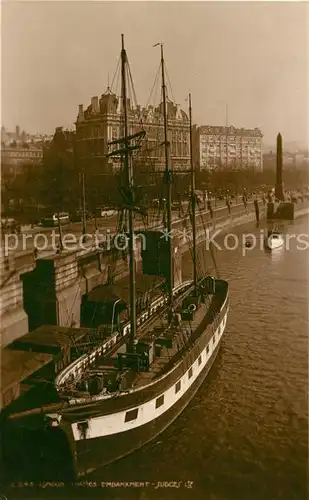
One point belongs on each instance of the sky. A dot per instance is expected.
(251, 56)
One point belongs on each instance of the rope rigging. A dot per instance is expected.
(116, 74)
(211, 248)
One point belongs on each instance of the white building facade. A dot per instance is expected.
(228, 147)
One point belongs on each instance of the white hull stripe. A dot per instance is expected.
(114, 423)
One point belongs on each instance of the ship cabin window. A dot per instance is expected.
(207, 349)
(199, 360)
(178, 386)
(190, 372)
(214, 339)
(131, 415)
(160, 401)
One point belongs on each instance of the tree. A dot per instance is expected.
(60, 187)
(20, 191)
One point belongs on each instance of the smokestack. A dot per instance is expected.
(80, 116)
(95, 104)
(279, 185)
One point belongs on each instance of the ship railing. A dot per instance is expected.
(77, 368)
(81, 364)
(220, 314)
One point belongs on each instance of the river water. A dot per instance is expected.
(245, 434)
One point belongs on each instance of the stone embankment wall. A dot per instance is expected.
(51, 290)
(13, 318)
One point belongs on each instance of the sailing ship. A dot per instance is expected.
(136, 381)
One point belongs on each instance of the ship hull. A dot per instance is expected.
(56, 456)
(99, 452)
(94, 434)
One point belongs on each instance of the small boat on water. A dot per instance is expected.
(274, 240)
(249, 243)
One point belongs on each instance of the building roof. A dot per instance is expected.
(109, 91)
(149, 113)
(21, 147)
(51, 336)
(18, 365)
(219, 130)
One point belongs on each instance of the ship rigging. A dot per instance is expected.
(143, 372)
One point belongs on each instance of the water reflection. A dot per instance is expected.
(245, 434)
(275, 254)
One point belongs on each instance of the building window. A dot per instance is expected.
(131, 415)
(214, 339)
(178, 386)
(199, 360)
(190, 372)
(207, 349)
(160, 401)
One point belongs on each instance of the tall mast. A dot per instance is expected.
(84, 201)
(226, 134)
(170, 280)
(129, 178)
(83, 188)
(193, 199)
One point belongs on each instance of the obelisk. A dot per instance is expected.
(279, 185)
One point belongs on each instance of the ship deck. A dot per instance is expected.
(181, 335)
(184, 335)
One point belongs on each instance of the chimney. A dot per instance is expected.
(95, 104)
(80, 112)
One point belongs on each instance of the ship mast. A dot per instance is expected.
(84, 202)
(193, 200)
(170, 279)
(129, 179)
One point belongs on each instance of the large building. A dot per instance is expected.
(13, 159)
(21, 138)
(102, 122)
(19, 149)
(227, 147)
